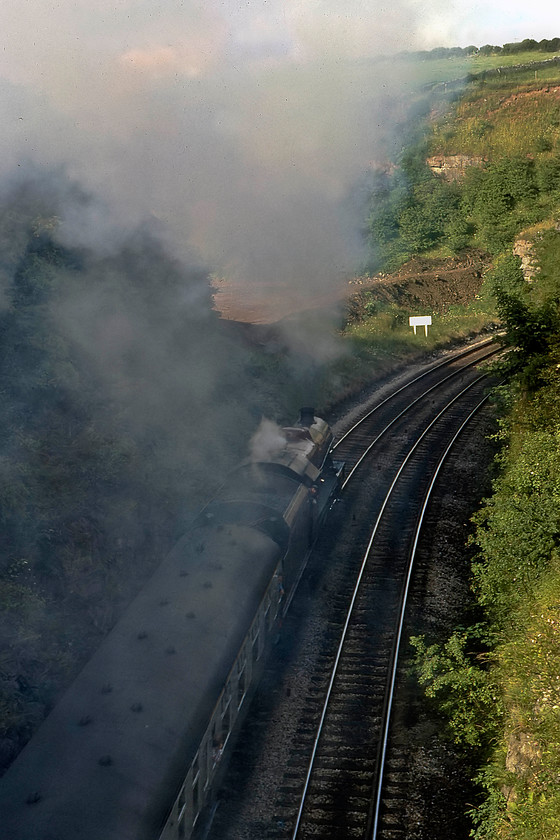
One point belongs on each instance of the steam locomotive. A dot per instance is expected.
(136, 746)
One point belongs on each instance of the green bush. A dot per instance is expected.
(547, 174)
(518, 528)
(466, 693)
(499, 200)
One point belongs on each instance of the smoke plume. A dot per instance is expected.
(267, 442)
(242, 130)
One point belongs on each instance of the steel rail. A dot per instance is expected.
(433, 387)
(398, 639)
(355, 595)
(416, 379)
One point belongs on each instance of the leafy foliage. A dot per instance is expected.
(465, 692)
(506, 702)
(413, 211)
(531, 321)
(519, 528)
(498, 200)
(516, 574)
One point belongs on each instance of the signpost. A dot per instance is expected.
(420, 321)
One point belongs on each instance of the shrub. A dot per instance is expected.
(465, 691)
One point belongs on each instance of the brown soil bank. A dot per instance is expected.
(433, 285)
(422, 285)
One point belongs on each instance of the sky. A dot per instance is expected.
(241, 128)
(497, 22)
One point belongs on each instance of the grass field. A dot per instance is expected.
(432, 71)
(498, 120)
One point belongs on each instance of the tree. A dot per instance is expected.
(499, 199)
(552, 45)
(490, 49)
(532, 325)
(547, 174)
(527, 45)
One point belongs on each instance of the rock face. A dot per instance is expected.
(453, 167)
(524, 249)
(522, 759)
(523, 754)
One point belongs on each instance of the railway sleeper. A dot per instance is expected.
(397, 769)
(359, 693)
(357, 718)
(361, 676)
(327, 776)
(373, 658)
(347, 766)
(307, 726)
(337, 819)
(346, 740)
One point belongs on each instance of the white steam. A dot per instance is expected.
(267, 442)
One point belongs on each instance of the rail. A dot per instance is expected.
(398, 634)
(371, 832)
(405, 410)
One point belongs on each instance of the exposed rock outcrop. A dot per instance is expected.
(453, 167)
(523, 754)
(524, 249)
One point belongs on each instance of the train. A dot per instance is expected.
(137, 745)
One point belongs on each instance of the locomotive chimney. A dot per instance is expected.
(306, 416)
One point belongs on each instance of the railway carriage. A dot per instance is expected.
(135, 747)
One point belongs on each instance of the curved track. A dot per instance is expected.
(339, 739)
(342, 790)
(357, 442)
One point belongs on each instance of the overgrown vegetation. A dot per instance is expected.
(107, 445)
(497, 681)
(507, 127)
(415, 211)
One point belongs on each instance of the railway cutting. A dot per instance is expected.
(336, 746)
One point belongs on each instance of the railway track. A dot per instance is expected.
(334, 765)
(356, 443)
(342, 791)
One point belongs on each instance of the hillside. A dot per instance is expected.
(102, 455)
(485, 178)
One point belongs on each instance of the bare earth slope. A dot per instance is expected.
(433, 284)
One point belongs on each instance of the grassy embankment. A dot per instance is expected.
(497, 682)
(512, 120)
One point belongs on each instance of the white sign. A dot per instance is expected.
(420, 321)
